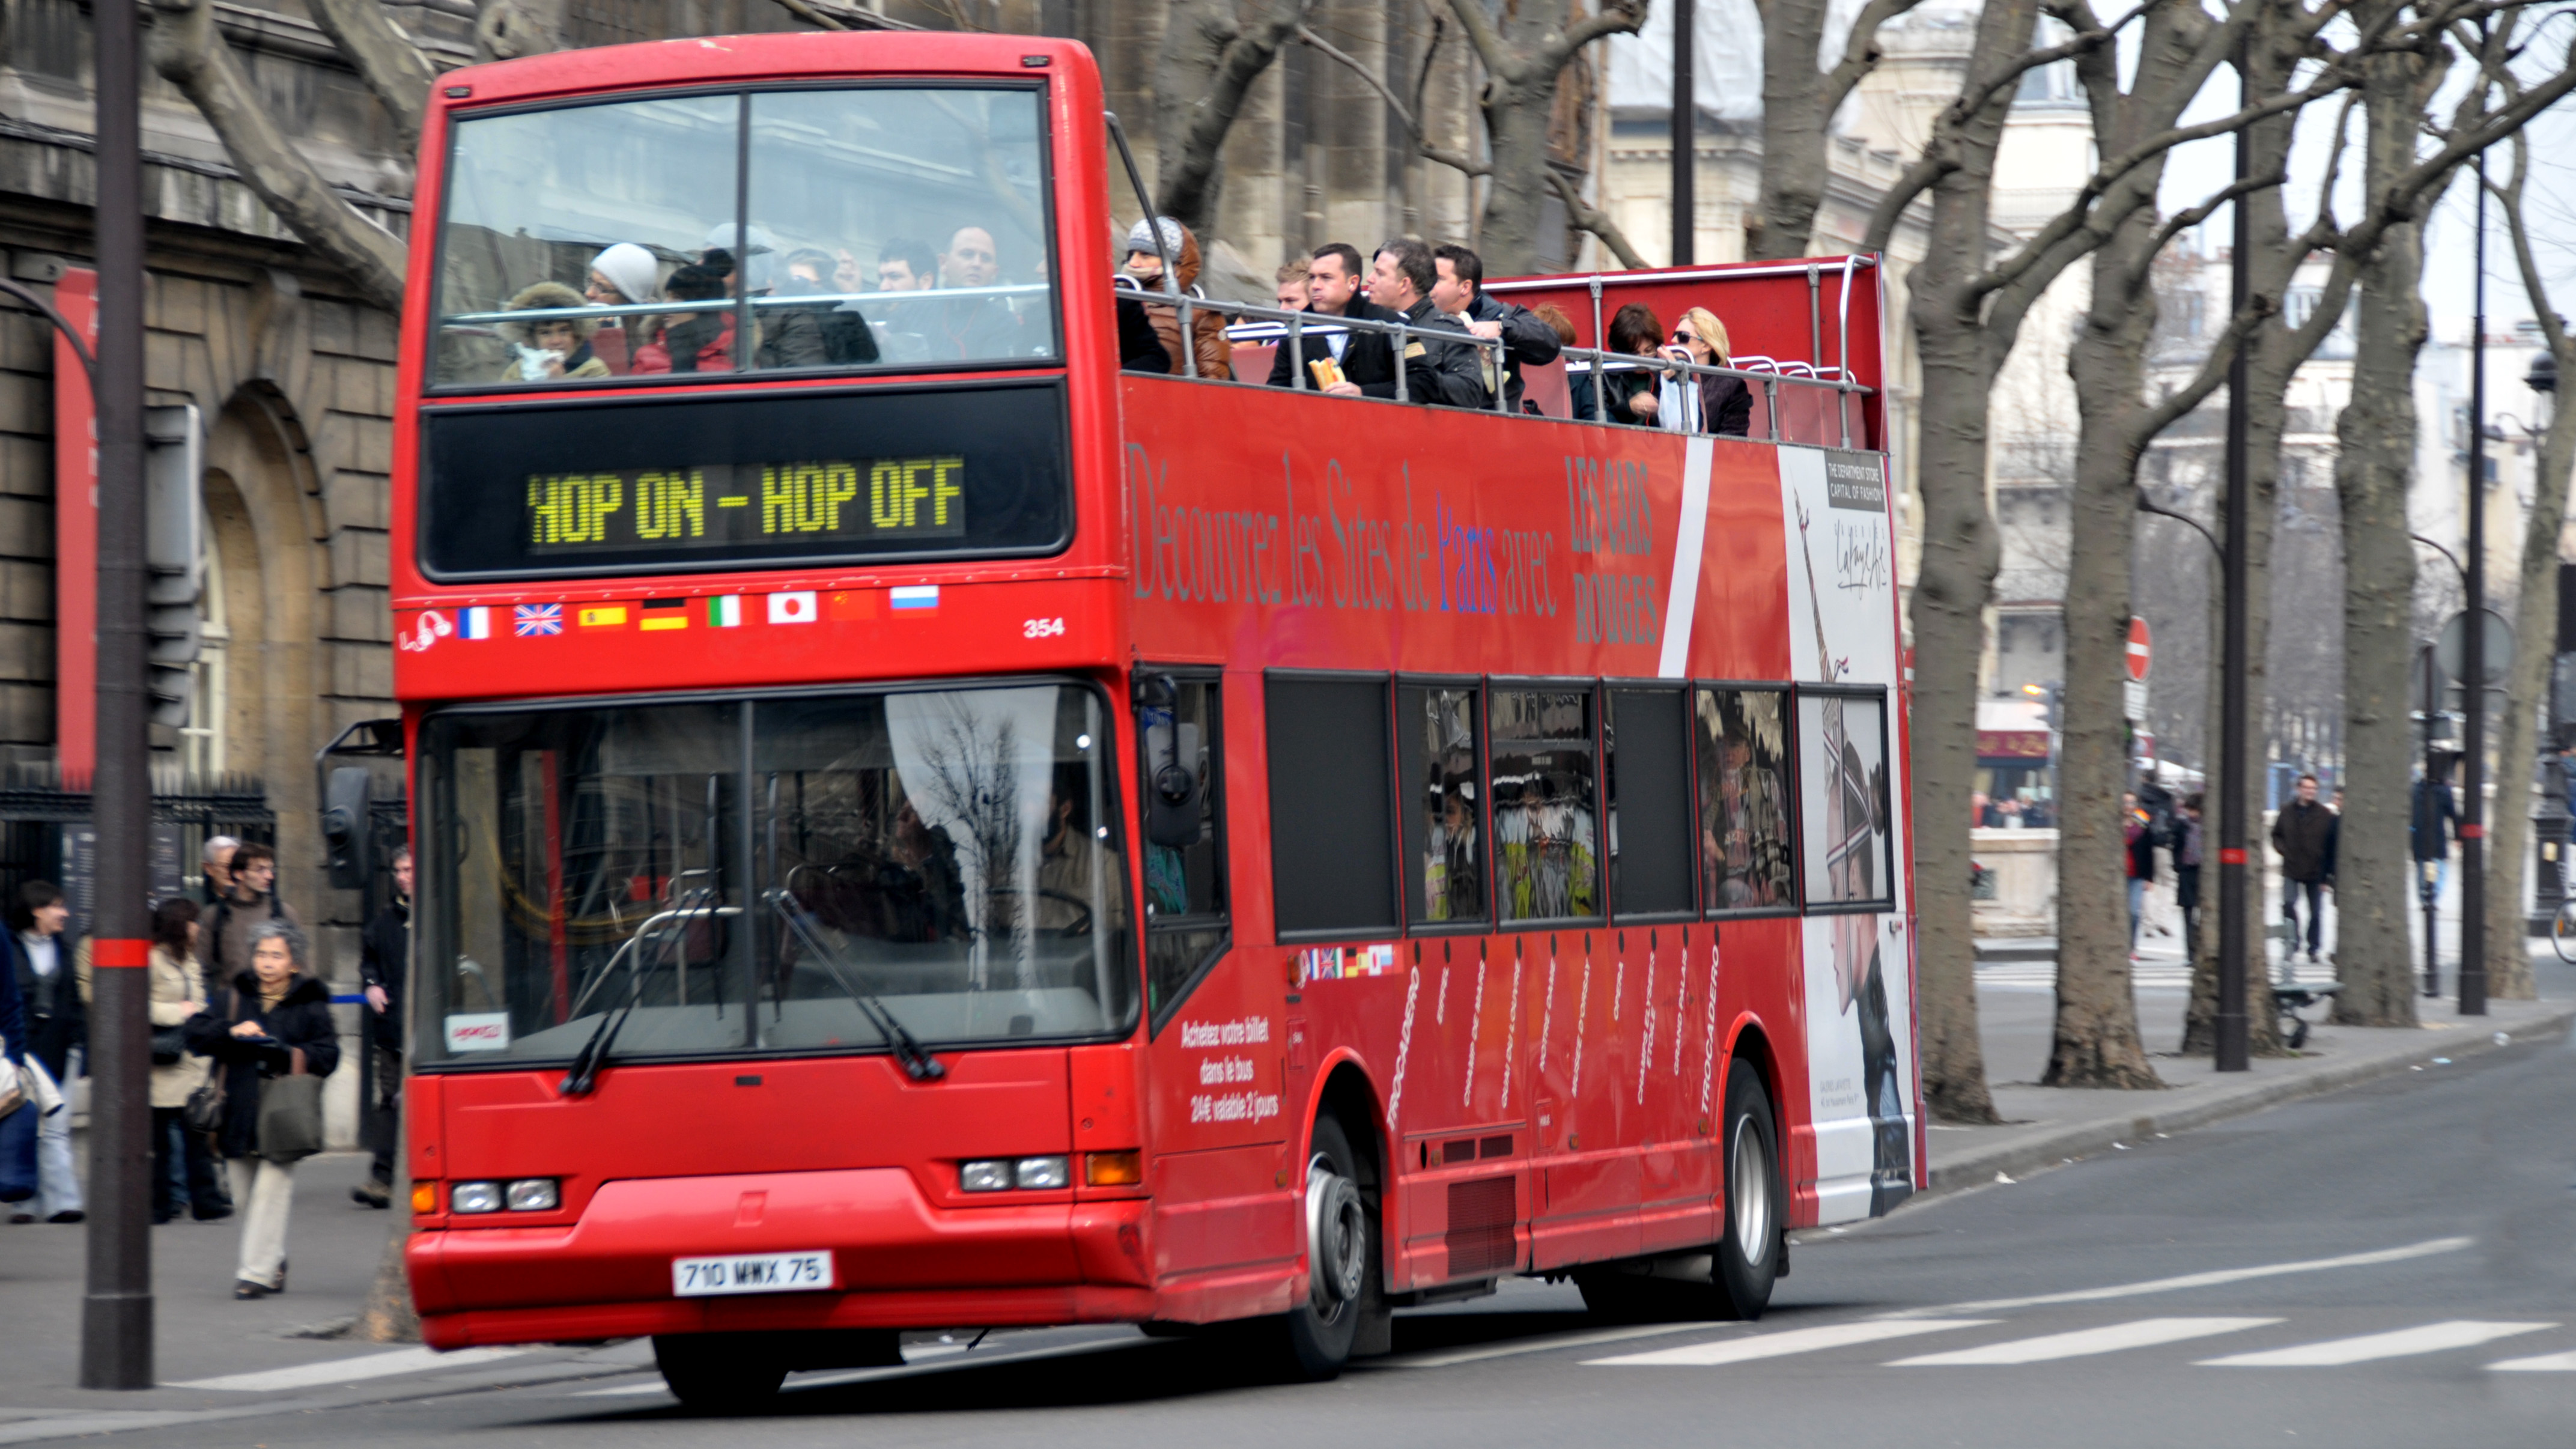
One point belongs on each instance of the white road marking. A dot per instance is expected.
(2429, 1248)
(1529, 1345)
(350, 1370)
(2145, 1333)
(2545, 1363)
(2431, 1338)
(1784, 1344)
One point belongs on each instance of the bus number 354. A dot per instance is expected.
(1041, 628)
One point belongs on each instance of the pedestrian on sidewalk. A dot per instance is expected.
(271, 1020)
(216, 862)
(42, 959)
(183, 1161)
(384, 963)
(2141, 849)
(2303, 836)
(249, 898)
(2186, 865)
(2434, 824)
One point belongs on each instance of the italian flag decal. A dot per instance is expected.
(724, 612)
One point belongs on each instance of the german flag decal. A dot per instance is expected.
(664, 614)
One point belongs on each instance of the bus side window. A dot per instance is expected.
(1547, 863)
(1185, 898)
(1645, 779)
(1332, 806)
(1439, 741)
(1744, 841)
(1846, 836)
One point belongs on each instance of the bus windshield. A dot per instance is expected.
(772, 876)
(810, 229)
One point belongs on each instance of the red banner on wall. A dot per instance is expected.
(75, 531)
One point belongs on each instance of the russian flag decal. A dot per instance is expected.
(914, 596)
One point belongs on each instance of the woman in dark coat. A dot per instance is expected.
(267, 1022)
(1631, 393)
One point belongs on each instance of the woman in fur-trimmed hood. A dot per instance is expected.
(549, 347)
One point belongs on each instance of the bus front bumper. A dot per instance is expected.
(899, 1261)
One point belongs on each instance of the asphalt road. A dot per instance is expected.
(2366, 1261)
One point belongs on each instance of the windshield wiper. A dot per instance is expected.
(918, 1064)
(671, 928)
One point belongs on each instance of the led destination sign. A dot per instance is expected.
(830, 501)
(731, 479)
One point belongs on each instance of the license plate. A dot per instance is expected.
(752, 1273)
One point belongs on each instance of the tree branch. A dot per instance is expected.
(391, 65)
(1860, 52)
(191, 54)
(1595, 221)
(1456, 160)
(1185, 191)
(811, 16)
(2145, 424)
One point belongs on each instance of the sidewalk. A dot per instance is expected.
(2045, 1126)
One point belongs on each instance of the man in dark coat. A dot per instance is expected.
(44, 960)
(1460, 294)
(1435, 371)
(1333, 280)
(384, 965)
(2303, 835)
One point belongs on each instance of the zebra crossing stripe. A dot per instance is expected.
(2544, 1363)
(2144, 1333)
(2431, 1338)
(1783, 1345)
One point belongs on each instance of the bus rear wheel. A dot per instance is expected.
(1747, 1261)
(716, 1372)
(1341, 1258)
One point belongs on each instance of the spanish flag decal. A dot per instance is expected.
(603, 616)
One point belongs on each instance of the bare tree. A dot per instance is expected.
(1799, 99)
(2536, 614)
(1523, 51)
(1212, 52)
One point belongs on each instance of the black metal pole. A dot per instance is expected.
(2432, 781)
(1685, 141)
(2230, 1043)
(2473, 672)
(116, 1311)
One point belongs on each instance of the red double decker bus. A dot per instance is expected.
(918, 828)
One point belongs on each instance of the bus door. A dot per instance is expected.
(1214, 1090)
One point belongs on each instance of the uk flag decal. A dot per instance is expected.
(532, 620)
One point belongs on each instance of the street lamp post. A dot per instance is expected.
(116, 1308)
(2231, 1042)
(2473, 674)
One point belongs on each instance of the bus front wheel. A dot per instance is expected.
(714, 1372)
(1341, 1254)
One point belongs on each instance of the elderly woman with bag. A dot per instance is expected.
(273, 1041)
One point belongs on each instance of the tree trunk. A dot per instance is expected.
(2375, 439)
(1961, 551)
(1793, 131)
(1203, 73)
(1516, 125)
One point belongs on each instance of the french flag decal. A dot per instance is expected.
(915, 596)
(474, 623)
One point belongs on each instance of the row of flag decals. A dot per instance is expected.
(723, 611)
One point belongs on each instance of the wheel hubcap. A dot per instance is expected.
(1749, 1183)
(1336, 1239)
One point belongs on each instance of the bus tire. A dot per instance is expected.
(1748, 1257)
(1341, 1259)
(713, 1372)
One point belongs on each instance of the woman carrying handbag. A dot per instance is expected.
(271, 1035)
(183, 1161)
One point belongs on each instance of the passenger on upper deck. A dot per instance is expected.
(1292, 286)
(549, 347)
(1145, 268)
(789, 336)
(1726, 405)
(1434, 371)
(1630, 393)
(1333, 290)
(904, 264)
(972, 326)
(692, 341)
(843, 330)
(623, 275)
(1460, 295)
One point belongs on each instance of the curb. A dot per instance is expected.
(2082, 1139)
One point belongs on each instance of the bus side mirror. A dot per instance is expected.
(1173, 796)
(346, 829)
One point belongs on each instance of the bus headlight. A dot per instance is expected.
(985, 1175)
(474, 1197)
(1044, 1172)
(534, 1195)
